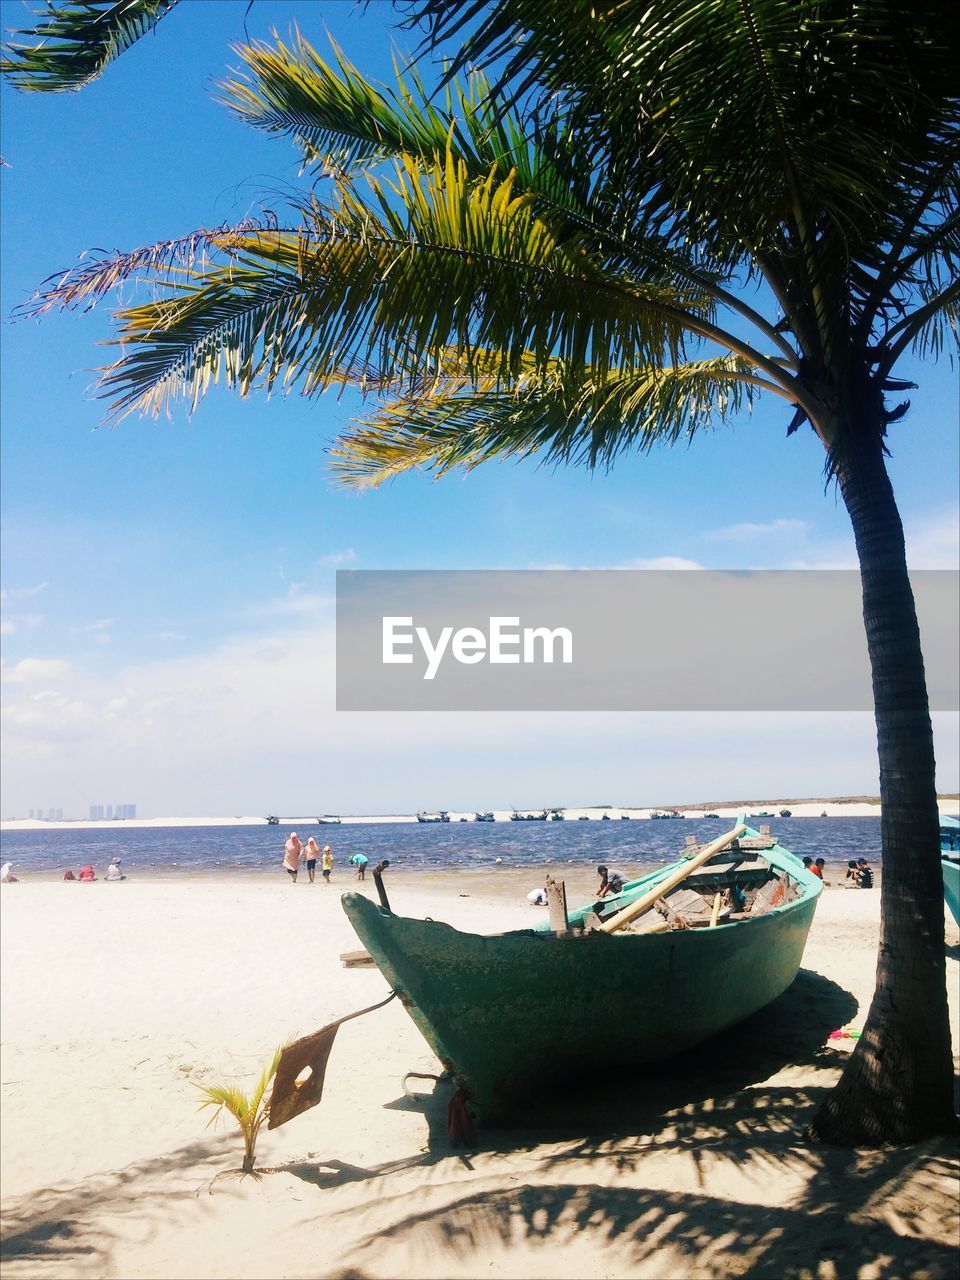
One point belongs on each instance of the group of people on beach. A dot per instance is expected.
(610, 882)
(859, 874)
(86, 874)
(296, 853)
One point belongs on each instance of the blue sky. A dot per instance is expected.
(167, 585)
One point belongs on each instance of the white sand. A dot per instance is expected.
(116, 997)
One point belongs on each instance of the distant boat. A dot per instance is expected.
(512, 1013)
(604, 817)
(517, 816)
(583, 818)
(624, 817)
(785, 813)
(273, 820)
(461, 819)
(557, 815)
(824, 814)
(711, 815)
(669, 813)
(484, 817)
(329, 820)
(441, 816)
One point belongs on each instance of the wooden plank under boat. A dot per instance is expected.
(509, 1013)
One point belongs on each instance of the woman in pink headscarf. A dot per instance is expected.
(292, 855)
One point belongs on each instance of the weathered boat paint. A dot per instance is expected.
(511, 1012)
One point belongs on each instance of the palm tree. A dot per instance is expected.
(661, 210)
(249, 1110)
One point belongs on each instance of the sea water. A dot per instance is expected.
(463, 846)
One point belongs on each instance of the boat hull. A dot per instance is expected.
(951, 887)
(509, 1013)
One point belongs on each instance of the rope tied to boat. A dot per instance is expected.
(460, 1126)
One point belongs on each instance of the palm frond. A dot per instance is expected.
(736, 120)
(77, 41)
(98, 273)
(378, 287)
(564, 413)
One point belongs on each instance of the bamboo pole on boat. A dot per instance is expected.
(714, 914)
(642, 905)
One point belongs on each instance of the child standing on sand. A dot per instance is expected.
(312, 853)
(326, 866)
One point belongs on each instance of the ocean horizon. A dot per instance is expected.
(435, 847)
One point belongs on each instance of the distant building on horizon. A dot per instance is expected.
(111, 812)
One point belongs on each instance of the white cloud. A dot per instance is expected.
(661, 562)
(29, 671)
(296, 604)
(747, 531)
(337, 559)
(7, 628)
(20, 593)
(933, 540)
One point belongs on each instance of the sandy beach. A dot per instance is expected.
(117, 998)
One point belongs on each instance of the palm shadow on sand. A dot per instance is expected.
(793, 1030)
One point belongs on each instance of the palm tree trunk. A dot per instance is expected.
(897, 1086)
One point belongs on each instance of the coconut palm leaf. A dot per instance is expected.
(339, 120)
(77, 41)
(563, 413)
(380, 286)
(249, 1110)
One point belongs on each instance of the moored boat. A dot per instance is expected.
(950, 865)
(949, 834)
(509, 1013)
(517, 816)
(484, 817)
(440, 816)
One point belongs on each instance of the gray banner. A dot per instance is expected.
(623, 640)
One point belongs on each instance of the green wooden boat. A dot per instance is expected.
(511, 1012)
(950, 846)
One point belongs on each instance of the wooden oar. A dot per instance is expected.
(642, 905)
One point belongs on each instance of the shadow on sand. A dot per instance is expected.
(586, 1172)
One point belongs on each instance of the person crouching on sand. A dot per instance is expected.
(610, 881)
(360, 860)
(312, 853)
(292, 855)
(326, 865)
